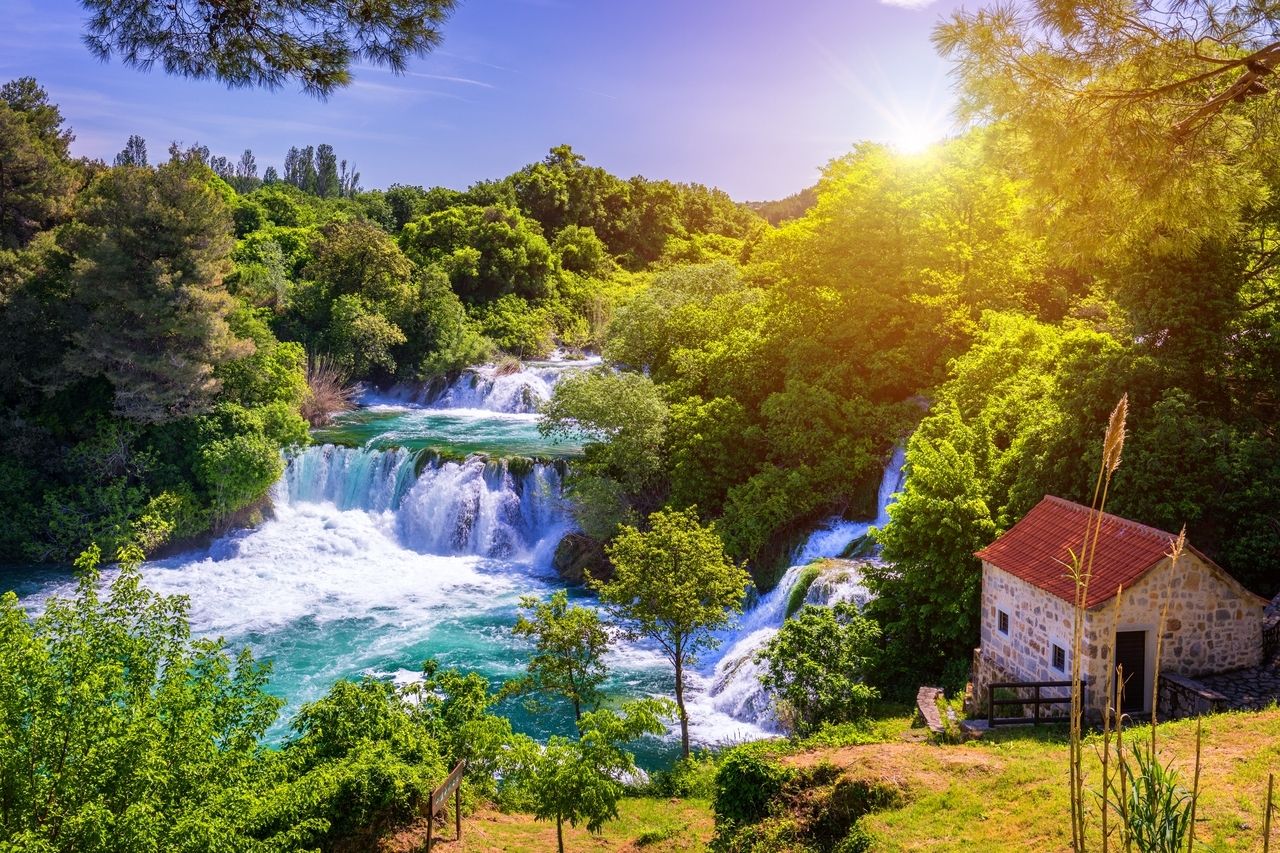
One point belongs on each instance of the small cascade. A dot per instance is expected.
(348, 478)
(489, 508)
(836, 536)
(492, 389)
(735, 684)
(481, 507)
(516, 388)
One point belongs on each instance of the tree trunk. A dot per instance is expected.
(560, 833)
(684, 716)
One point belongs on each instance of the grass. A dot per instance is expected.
(644, 824)
(1010, 790)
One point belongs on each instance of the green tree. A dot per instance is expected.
(487, 251)
(264, 43)
(112, 715)
(816, 664)
(1169, 94)
(37, 182)
(151, 249)
(675, 585)
(623, 417)
(569, 648)
(134, 153)
(581, 780)
(327, 179)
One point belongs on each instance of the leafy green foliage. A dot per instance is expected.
(675, 585)
(816, 664)
(581, 780)
(746, 782)
(113, 715)
(570, 644)
(37, 183)
(151, 249)
(487, 251)
(622, 415)
(266, 43)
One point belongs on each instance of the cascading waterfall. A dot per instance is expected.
(370, 480)
(492, 387)
(835, 536)
(734, 687)
(489, 508)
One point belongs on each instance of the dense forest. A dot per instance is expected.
(161, 318)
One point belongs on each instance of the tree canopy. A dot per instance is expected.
(264, 42)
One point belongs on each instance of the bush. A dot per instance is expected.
(745, 784)
(689, 778)
(815, 666)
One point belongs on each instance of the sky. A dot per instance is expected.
(752, 96)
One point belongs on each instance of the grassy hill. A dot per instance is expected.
(1005, 792)
(1009, 791)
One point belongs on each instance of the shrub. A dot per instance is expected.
(328, 391)
(745, 784)
(815, 665)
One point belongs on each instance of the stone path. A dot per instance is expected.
(1249, 689)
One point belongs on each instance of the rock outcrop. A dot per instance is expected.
(578, 556)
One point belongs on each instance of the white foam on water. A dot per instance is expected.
(733, 686)
(835, 534)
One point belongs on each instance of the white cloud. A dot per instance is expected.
(908, 4)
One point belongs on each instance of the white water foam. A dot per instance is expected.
(488, 388)
(733, 687)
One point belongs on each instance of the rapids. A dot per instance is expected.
(411, 530)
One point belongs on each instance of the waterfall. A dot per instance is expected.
(370, 480)
(835, 536)
(734, 687)
(490, 387)
(489, 508)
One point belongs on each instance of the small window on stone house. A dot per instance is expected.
(1059, 658)
(1002, 622)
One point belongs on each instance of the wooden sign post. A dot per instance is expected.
(440, 802)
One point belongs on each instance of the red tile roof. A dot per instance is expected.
(1038, 549)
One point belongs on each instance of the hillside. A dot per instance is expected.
(1007, 791)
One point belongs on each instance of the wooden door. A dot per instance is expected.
(1131, 654)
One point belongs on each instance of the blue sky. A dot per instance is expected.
(748, 95)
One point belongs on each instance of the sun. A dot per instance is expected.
(916, 134)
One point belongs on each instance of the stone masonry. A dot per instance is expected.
(1211, 625)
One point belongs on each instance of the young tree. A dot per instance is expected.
(622, 476)
(580, 781)
(570, 644)
(265, 43)
(675, 585)
(815, 664)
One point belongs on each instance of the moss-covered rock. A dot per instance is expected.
(579, 557)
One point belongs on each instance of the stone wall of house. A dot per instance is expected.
(1211, 625)
(1037, 621)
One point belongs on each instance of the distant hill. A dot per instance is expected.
(792, 207)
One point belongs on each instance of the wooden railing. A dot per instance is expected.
(1035, 700)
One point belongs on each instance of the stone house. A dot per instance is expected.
(1212, 623)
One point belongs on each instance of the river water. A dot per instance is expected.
(405, 533)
